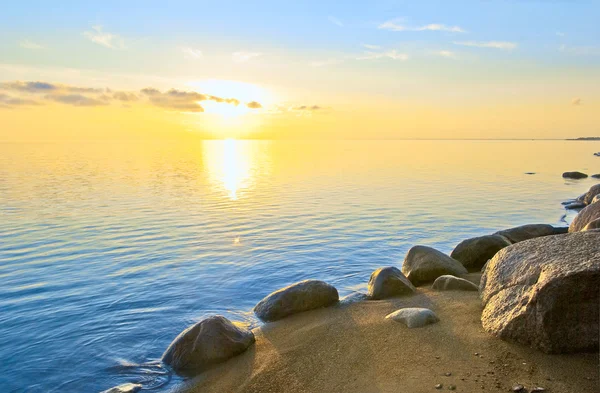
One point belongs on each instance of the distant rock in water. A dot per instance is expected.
(212, 340)
(588, 197)
(475, 252)
(530, 173)
(596, 176)
(545, 292)
(452, 283)
(424, 264)
(575, 205)
(298, 297)
(597, 154)
(574, 175)
(414, 317)
(388, 282)
(526, 232)
(125, 388)
(584, 217)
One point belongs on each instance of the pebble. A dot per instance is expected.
(451, 387)
(448, 374)
(439, 386)
(476, 354)
(518, 388)
(538, 389)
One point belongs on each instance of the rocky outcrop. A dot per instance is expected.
(574, 175)
(125, 388)
(414, 317)
(584, 217)
(475, 252)
(596, 199)
(210, 341)
(452, 283)
(424, 264)
(592, 225)
(526, 232)
(298, 297)
(588, 197)
(388, 282)
(545, 292)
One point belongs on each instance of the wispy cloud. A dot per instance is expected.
(445, 53)
(30, 45)
(191, 53)
(576, 101)
(488, 44)
(335, 21)
(242, 56)
(371, 47)
(396, 25)
(307, 108)
(106, 39)
(580, 50)
(8, 101)
(76, 99)
(390, 54)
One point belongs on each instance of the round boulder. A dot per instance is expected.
(414, 317)
(589, 196)
(125, 388)
(210, 341)
(475, 252)
(301, 296)
(584, 217)
(545, 293)
(526, 232)
(574, 175)
(424, 264)
(452, 283)
(388, 282)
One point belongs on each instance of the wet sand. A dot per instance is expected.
(353, 348)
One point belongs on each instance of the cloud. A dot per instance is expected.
(125, 96)
(191, 53)
(30, 87)
(30, 45)
(488, 44)
(254, 105)
(390, 54)
(445, 53)
(8, 101)
(576, 101)
(371, 47)
(335, 21)
(307, 108)
(100, 37)
(242, 57)
(322, 63)
(233, 101)
(187, 101)
(394, 25)
(580, 50)
(75, 100)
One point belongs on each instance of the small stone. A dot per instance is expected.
(518, 388)
(538, 389)
(439, 386)
(451, 387)
(448, 374)
(476, 354)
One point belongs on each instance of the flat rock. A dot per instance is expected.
(589, 196)
(302, 296)
(210, 341)
(526, 232)
(452, 283)
(574, 175)
(388, 282)
(414, 317)
(575, 205)
(424, 264)
(475, 252)
(545, 293)
(584, 217)
(124, 388)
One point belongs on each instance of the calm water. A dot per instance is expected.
(109, 250)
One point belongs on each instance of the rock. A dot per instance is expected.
(574, 175)
(526, 232)
(518, 388)
(545, 293)
(475, 252)
(387, 282)
(584, 217)
(439, 386)
(537, 389)
(301, 296)
(588, 197)
(575, 205)
(561, 230)
(210, 341)
(530, 173)
(414, 317)
(451, 283)
(592, 225)
(424, 264)
(125, 388)
(596, 199)
(596, 176)
(354, 297)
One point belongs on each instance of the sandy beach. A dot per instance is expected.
(353, 348)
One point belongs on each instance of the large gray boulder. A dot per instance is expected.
(526, 232)
(210, 341)
(388, 282)
(424, 264)
(545, 293)
(124, 388)
(452, 283)
(588, 197)
(574, 175)
(302, 296)
(413, 317)
(475, 252)
(584, 217)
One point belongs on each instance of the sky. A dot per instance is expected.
(72, 70)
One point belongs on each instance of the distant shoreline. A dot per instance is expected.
(587, 138)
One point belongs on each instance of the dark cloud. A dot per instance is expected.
(226, 100)
(307, 108)
(8, 101)
(75, 100)
(254, 105)
(30, 87)
(125, 96)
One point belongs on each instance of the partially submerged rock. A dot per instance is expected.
(388, 282)
(124, 388)
(302, 296)
(210, 341)
(545, 292)
(589, 196)
(452, 283)
(526, 232)
(475, 252)
(424, 264)
(574, 175)
(584, 217)
(414, 317)
(575, 205)
(596, 176)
